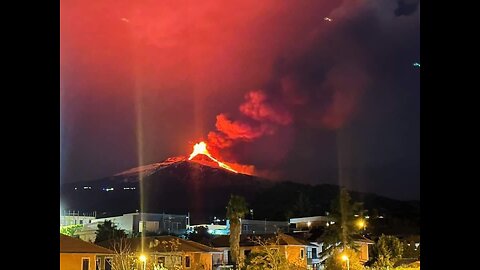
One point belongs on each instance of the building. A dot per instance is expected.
(297, 251)
(248, 226)
(75, 218)
(171, 251)
(134, 223)
(87, 232)
(213, 229)
(363, 243)
(76, 254)
(311, 228)
(304, 224)
(252, 226)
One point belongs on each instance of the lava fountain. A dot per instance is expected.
(201, 149)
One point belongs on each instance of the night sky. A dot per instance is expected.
(310, 91)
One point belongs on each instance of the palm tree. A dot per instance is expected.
(236, 210)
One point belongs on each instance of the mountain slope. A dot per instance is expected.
(174, 186)
(201, 187)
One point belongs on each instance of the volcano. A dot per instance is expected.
(198, 184)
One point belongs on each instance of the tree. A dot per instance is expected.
(236, 210)
(342, 231)
(70, 229)
(124, 258)
(336, 261)
(388, 250)
(107, 231)
(200, 234)
(410, 250)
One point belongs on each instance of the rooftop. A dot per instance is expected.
(247, 240)
(74, 245)
(163, 244)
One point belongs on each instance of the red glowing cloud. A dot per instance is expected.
(164, 72)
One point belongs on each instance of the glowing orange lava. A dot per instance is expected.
(201, 148)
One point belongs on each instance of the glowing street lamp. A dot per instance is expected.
(345, 258)
(361, 224)
(143, 259)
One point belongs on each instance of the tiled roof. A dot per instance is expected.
(363, 239)
(247, 240)
(74, 245)
(162, 244)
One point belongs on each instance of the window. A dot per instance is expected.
(108, 263)
(309, 254)
(302, 253)
(247, 252)
(85, 264)
(98, 261)
(314, 253)
(187, 261)
(161, 260)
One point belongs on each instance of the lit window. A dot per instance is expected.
(85, 264)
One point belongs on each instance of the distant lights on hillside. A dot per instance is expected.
(107, 189)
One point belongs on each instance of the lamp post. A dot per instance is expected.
(143, 259)
(345, 258)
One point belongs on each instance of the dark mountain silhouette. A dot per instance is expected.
(202, 188)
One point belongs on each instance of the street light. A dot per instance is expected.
(143, 259)
(361, 224)
(345, 258)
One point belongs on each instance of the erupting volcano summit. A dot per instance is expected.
(201, 149)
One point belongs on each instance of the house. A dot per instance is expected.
(296, 251)
(76, 254)
(311, 228)
(362, 243)
(171, 251)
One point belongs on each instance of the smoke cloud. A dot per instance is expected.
(263, 82)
